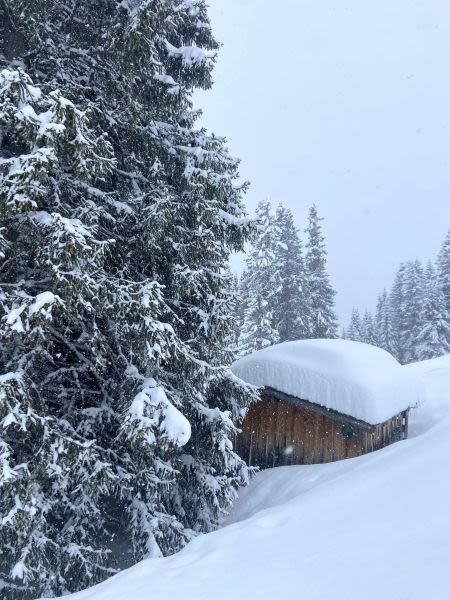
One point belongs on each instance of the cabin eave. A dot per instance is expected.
(269, 393)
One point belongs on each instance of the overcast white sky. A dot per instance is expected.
(346, 104)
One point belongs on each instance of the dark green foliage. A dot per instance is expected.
(117, 220)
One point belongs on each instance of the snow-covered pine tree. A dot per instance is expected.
(117, 219)
(354, 330)
(398, 316)
(413, 306)
(291, 316)
(323, 321)
(384, 335)
(368, 329)
(434, 337)
(443, 270)
(263, 282)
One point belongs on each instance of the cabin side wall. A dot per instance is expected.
(277, 432)
(382, 435)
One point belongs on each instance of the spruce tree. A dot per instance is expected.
(443, 270)
(398, 314)
(354, 329)
(413, 306)
(368, 329)
(323, 321)
(291, 311)
(262, 279)
(117, 219)
(384, 334)
(434, 337)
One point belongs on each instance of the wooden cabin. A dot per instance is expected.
(284, 430)
(358, 400)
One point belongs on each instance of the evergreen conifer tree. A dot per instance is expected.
(398, 314)
(354, 330)
(291, 307)
(323, 321)
(413, 307)
(384, 335)
(443, 270)
(117, 219)
(263, 282)
(434, 337)
(368, 329)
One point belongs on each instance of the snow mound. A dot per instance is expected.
(355, 379)
(373, 526)
(433, 374)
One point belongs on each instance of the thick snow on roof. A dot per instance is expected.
(355, 379)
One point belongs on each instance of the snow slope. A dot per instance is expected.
(373, 527)
(355, 379)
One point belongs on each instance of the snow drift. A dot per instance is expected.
(355, 379)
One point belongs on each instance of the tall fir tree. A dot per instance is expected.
(117, 219)
(291, 310)
(323, 320)
(368, 329)
(398, 313)
(443, 270)
(384, 334)
(434, 337)
(354, 330)
(263, 282)
(413, 306)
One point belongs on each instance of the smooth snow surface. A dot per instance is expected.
(353, 378)
(372, 527)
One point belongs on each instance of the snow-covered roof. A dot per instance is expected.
(355, 379)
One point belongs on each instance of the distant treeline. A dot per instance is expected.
(412, 321)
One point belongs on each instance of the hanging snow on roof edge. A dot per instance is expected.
(352, 378)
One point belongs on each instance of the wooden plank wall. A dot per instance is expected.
(276, 432)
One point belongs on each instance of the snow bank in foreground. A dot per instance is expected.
(353, 378)
(369, 527)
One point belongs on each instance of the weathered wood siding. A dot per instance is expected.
(280, 432)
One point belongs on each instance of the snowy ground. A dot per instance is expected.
(372, 527)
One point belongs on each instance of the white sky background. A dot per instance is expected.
(346, 104)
